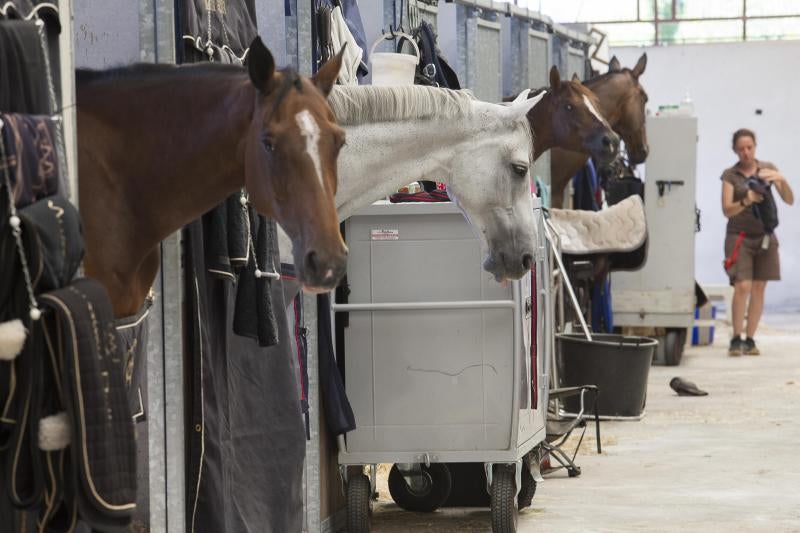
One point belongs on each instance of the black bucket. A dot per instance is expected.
(617, 364)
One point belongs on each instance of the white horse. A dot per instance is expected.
(481, 151)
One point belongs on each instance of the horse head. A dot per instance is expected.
(293, 138)
(574, 122)
(621, 86)
(491, 185)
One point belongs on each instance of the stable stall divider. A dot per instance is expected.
(67, 93)
(165, 351)
(314, 521)
(571, 51)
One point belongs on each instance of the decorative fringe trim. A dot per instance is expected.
(54, 432)
(12, 339)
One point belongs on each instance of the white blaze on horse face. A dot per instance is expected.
(310, 130)
(594, 112)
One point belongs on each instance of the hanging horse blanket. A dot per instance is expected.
(221, 27)
(47, 10)
(29, 142)
(341, 36)
(238, 243)
(246, 445)
(103, 450)
(71, 453)
(23, 82)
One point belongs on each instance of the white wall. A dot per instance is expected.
(728, 83)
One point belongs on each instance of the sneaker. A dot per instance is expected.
(736, 347)
(749, 347)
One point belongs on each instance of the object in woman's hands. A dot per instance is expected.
(685, 388)
(766, 211)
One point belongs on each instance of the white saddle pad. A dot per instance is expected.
(620, 228)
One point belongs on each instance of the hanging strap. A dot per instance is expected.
(730, 261)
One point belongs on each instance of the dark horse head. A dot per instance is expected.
(575, 122)
(290, 163)
(624, 100)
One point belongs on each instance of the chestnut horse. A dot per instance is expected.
(567, 117)
(622, 101)
(160, 145)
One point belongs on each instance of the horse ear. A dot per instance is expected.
(638, 70)
(260, 65)
(326, 77)
(520, 108)
(575, 77)
(555, 78)
(521, 97)
(613, 65)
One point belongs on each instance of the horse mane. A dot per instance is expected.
(366, 103)
(602, 77)
(138, 71)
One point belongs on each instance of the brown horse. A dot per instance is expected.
(567, 117)
(622, 101)
(160, 145)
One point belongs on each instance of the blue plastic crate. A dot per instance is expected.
(704, 335)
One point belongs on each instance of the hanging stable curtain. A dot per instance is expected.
(245, 439)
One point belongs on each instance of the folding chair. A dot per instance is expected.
(560, 429)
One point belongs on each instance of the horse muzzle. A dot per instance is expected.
(605, 147)
(321, 271)
(639, 155)
(508, 265)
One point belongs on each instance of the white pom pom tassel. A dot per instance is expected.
(54, 432)
(12, 339)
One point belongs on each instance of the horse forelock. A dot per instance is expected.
(290, 79)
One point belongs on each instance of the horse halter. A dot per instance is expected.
(290, 80)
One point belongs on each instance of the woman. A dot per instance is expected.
(751, 251)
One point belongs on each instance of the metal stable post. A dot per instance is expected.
(67, 76)
(165, 370)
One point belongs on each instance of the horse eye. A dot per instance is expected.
(268, 143)
(568, 107)
(520, 170)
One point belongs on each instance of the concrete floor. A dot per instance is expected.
(727, 462)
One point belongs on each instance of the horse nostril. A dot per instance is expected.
(527, 261)
(311, 262)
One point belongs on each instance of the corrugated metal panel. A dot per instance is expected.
(429, 14)
(488, 62)
(576, 63)
(538, 59)
(106, 33)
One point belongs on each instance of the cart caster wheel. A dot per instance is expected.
(359, 507)
(430, 494)
(504, 501)
(528, 489)
(574, 472)
(674, 341)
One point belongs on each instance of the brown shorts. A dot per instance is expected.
(753, 262)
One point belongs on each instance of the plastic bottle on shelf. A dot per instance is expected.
(687, 106)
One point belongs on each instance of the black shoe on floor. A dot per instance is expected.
(686, 388)
(749, 347)
(736, 347)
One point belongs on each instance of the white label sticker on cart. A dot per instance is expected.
(385, 234)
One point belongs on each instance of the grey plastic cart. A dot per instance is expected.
(662, 293)
(438, 359)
